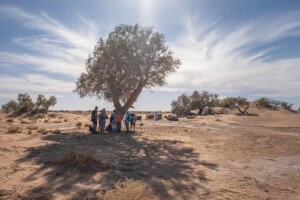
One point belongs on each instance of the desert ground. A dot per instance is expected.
(222, 156)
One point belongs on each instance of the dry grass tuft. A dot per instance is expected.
(79, 124)
(46, 121)
(78, 158)
(32, 127)
(29, 132)
(57, 121)
(56, 131)
(141, 124)
(65, 120)
(14, 129)
(86, 125)
(129, 189)
(10, 120)
(42, 131)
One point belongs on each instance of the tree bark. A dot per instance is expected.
(133, 97)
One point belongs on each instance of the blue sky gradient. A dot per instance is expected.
(232, 47)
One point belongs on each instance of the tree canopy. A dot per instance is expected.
(130, 59)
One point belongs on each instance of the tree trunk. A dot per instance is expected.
(133, 97)
(242, 111)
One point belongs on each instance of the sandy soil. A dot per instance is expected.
(209, 157)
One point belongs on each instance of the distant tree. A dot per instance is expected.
(48, 103)
(239, 103)
(42, 104)
(182, 106)
(10, 106)
(265, 102)
(25, 103)
(204, 99)
(130, 59)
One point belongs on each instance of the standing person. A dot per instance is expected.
(133, 121)
(113, 119)
(156, 116)
(102, 120)
(119, 122)
(94, 120)
(127, 121)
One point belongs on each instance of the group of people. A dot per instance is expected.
(115, 121)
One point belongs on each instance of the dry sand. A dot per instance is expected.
(209, 157)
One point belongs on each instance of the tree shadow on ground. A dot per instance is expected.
(166, 165)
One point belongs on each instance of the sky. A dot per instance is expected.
(229, 47)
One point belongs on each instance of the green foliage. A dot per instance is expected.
(203, 99)
(265, 102)
(42, 103)
(10, 106)
(182, 106)
(130, 59)
(24, 104)
(236, 103)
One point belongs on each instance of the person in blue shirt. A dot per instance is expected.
(102, 120)
(127, 121)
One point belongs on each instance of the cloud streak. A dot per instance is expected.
(238, 59)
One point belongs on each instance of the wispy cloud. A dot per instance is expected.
(238, 59)
(57, 49)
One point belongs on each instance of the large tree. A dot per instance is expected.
(130, 59)
(201, 100)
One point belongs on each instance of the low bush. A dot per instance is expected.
(10, 120)
(77, 158)
(14, 129)
(57, 121)
(32, 127)
(79, 124)
(65, 120)
(129, 189)
(56, 131)
(42, 131)
(46, 121)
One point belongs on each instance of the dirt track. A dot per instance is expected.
(209, 157)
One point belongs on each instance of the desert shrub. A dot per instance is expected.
(129, 189)
(42, 131)
(32, 127)
(53, 115)
(79, 124)
(46, 121)
(141, 124)
(57, 121)
(182, 106)
(78, 158)
(29, 132)
(240, 103)
(86, 125)
(10, 120)
(10, 106)
(14, 129)
(60, 117)
(273, 104)
(65, 120)
(56, 131)
(25, 103)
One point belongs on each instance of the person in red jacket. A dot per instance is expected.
(119, 122)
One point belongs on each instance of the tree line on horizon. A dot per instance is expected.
(199, 101)
(25, 104)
